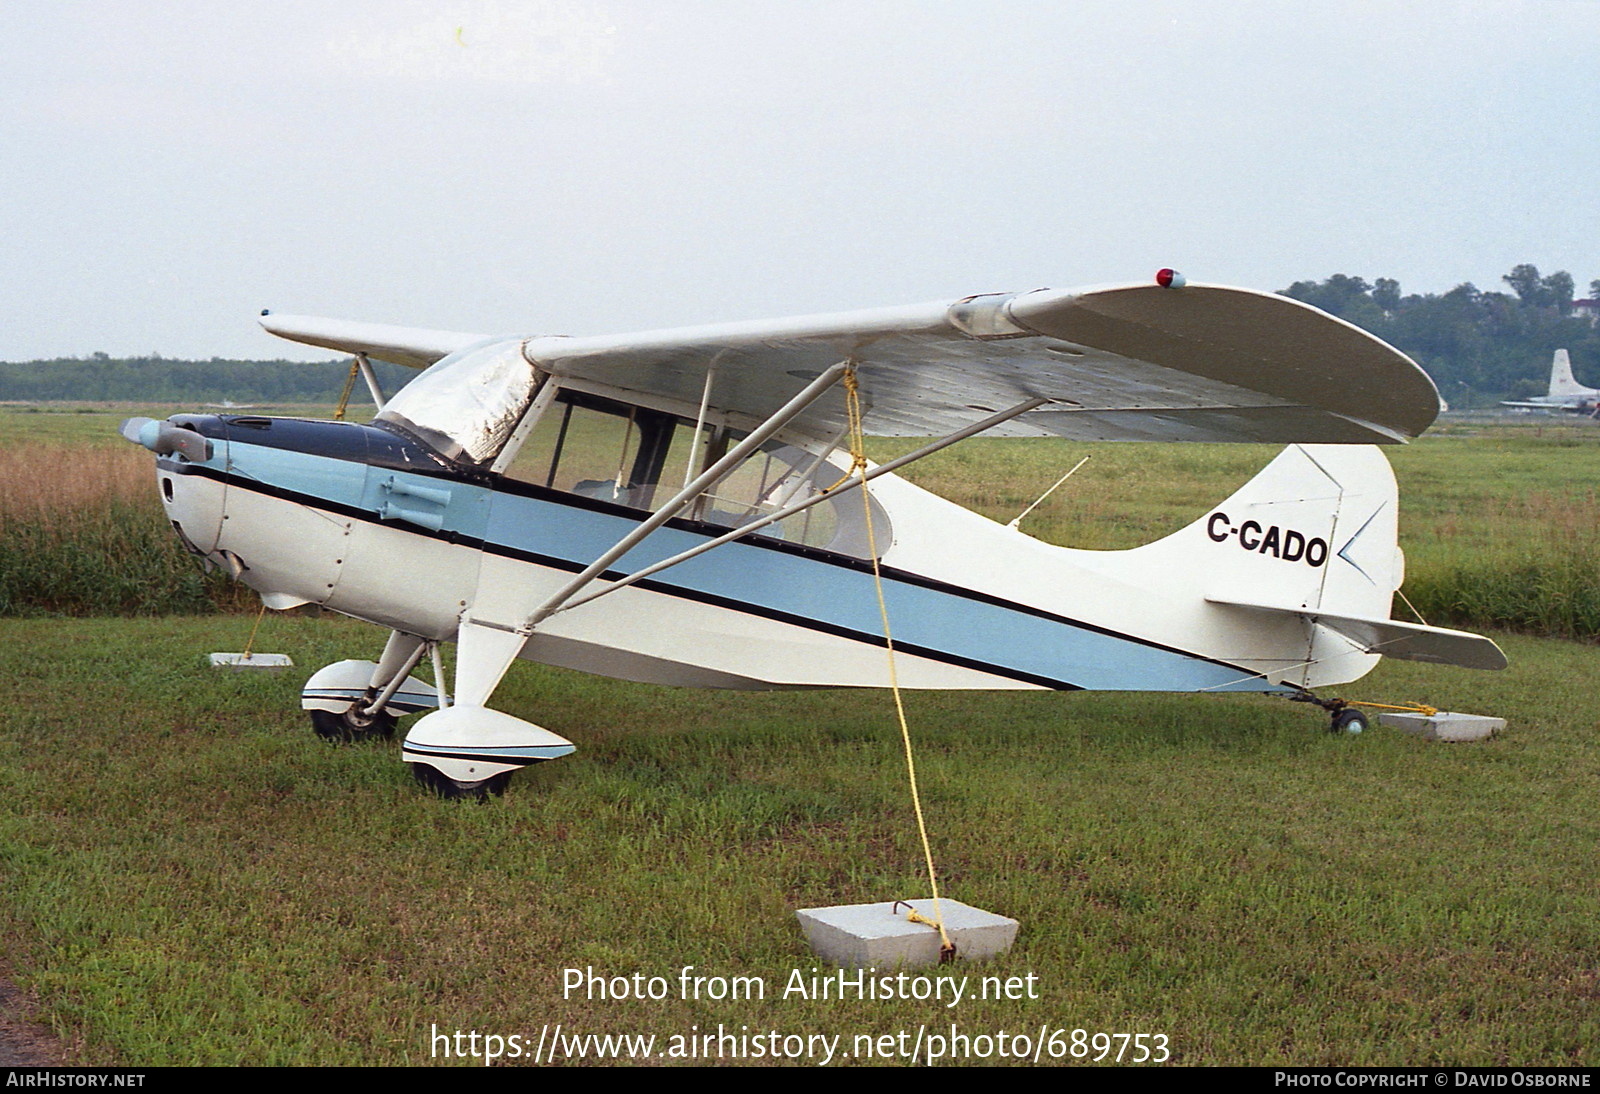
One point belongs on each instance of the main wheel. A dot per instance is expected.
(456, 790)
(352, 725)
(1349, 721)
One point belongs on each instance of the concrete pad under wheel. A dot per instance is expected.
(1445, 726)
(866, 936)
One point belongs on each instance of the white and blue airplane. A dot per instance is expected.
(683, 507)
(1565, 391)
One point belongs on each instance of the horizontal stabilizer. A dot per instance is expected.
(1392, 638)
(1575, 406)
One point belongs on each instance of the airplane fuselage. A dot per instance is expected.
(372, 524)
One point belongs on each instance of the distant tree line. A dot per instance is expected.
(156, 379)
(1479, 345)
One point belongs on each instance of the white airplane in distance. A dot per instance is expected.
(692, 507)
(1565, 392)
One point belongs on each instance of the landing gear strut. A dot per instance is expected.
(362, 700)
(458, 750)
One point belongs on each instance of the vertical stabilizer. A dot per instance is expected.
(1562, 384)
(1315, 529)
(1313, 534)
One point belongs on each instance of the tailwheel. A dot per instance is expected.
(351, 724)
(456, 789)
(1348, 721)
(1343, 718)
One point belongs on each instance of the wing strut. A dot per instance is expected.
(785, 513)
(372, 380)
(692, 464)
(702, 482)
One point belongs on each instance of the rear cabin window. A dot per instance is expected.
(640, 458)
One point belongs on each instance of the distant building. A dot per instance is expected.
(1587, 309)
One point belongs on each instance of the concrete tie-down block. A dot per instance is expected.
(1445, 726)
(868, 936)
(251, 661)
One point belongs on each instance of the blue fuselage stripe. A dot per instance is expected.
(807, 587)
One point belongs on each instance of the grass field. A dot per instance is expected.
(190, 877)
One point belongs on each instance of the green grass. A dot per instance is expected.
(190, 877)
(81, 528)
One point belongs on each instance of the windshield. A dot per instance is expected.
(467, 405)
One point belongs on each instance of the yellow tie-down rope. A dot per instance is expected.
(251, 644)
(1410, 708)
(349, 386)
(858, 465)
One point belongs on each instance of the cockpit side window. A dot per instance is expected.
(600, 449)
(640, 458)
(773, 478)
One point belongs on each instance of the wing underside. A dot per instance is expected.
(1200, 363)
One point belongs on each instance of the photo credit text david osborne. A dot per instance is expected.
(1536, 1078)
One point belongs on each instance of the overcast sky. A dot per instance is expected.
(582, 166)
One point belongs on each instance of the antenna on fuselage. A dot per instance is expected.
(1018, 518)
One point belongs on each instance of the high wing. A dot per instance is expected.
(409, 346)
(1140, 362)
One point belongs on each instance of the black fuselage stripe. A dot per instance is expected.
(828, 558)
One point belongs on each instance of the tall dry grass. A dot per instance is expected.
(82, 533)
(1528, 562)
